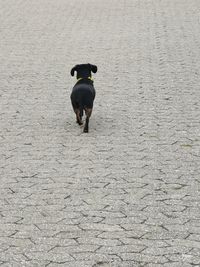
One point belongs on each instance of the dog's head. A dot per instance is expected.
(84, 70)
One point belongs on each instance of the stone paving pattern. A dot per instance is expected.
(127, 193)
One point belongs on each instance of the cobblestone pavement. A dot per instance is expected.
(127, 193)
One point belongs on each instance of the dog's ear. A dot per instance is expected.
(73, 70)
(93, 68)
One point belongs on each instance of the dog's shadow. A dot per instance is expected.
(100, 125)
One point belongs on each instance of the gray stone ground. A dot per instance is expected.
(127, 193)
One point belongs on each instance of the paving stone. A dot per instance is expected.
(127, 193)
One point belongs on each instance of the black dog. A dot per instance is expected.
(83, 93)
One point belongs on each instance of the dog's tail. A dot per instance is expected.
(80, 104)
(81, 110)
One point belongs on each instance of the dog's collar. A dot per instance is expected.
(89, 78)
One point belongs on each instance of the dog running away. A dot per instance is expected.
(83, 93)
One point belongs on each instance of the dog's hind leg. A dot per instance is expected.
(78, 116)
(88, 112)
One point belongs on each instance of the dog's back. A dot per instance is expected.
(83, 94)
